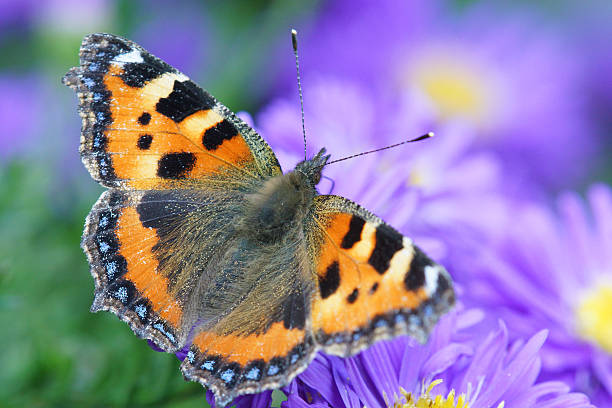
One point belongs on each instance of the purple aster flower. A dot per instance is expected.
(555, 272)
(508, 75)
(483, 371)
(442, 190)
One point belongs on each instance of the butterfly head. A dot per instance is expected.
(312, 168)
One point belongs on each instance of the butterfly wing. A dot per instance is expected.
(147, 126)
(264, 339)
(372, 282)
(170, 154)
(147, 251)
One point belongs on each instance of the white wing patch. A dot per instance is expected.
(133, 56)
(431, 279)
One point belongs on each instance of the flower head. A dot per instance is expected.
(554, 271)
(455, 367)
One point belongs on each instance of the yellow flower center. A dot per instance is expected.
(594, 316)
(426, 400)
(416, 178)
(458, 89)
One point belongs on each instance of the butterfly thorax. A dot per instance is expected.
(283, 201)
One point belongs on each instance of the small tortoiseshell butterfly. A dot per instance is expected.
(202, 241)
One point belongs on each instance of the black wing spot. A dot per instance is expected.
(374, 288)
(352, 298)
(144, 142)
(163, 209)
(144, 119)
(185, 99)
(354, 233)
(137, 74)
(415, 276)
(215, 136)
(329, 283)
(388, 242)
(176, 165)
(294, 311)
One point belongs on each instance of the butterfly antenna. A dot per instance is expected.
(423, 137)
(297, 69)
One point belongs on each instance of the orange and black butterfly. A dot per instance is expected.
(202, 241)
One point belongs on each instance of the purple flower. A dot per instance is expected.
(554, 271)
(487, 370)
(516, 84)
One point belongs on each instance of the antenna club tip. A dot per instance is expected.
(294, 39)
(430, 134)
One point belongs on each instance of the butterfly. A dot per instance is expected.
(201, 241)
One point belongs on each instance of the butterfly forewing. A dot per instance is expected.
(373, 283)
(148, 126)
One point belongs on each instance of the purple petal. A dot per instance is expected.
(444, 358)
(260, 400)
(498, 387)
(319, 377)
(363, 385)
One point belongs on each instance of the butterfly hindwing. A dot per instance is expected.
(262, 338)
(373, 283)
(147, 126)
(127, 279)
(234, 364)
(162, 264)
